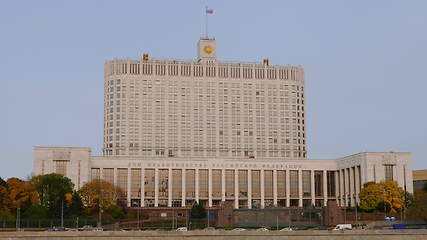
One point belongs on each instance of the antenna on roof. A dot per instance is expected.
(208, 11)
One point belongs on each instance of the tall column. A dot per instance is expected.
(128, 187)
(249, 189)
(197, 184)
(300, 188)
(262, 188)
(183, 185)
(342, 193)
(346, 187)
(101, 173)
(325, 188)
(210, 187)
(223, 185)
(394, 173)
(398, 172)
(312, 184)
(288, 188)
(142, 187)
(170, 186)
(275, 188)
(357, 176)
(156, 187)
(115, 177)
(236, 188)
(352, 185)
(337, 189)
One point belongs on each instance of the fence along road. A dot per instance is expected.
(408, 234)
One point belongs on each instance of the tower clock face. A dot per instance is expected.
(208, 49)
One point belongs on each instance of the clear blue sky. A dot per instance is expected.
(365, 63)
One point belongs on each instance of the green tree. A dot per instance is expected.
(370, 196)
(37, 212)
(7, 217)
(75, 206)
(53, 190)
(408, 198)
(425, 187)
(198, 211)
(115, 212)
(3, 182)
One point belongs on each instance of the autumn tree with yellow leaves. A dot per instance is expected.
(16, 193)
(379, 196)
(22, 194)
(5, 202)
(98, 194)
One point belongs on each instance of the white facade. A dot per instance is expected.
(178, 132)
(279, 183)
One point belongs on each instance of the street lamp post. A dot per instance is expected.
(62, 213)
(208, 217)
(138, 217)
(385, 211)
(18, 219)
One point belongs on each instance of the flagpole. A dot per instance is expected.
(206, 21)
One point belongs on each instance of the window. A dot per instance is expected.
(281, 184)
(135, 183)
(190, 185)
(108, 174)
(229, 183)
(268, 183)
(203, 183)
(61, 167)
(256, 183)
(318, 183)
(149, 183)
(243, 183)
(163, 183)
(94, 172)
(293, 183)
(216, 183)
(388, 172)
(122, 181)
(331, 183)
(306, 183)
(177, 184)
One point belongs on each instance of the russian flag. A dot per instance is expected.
(209, 11)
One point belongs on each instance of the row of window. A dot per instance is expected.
(230, 176)
(203, 84)
(197, 70)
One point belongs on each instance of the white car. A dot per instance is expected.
(239, 229)
(287, 229)
(263, 229)
(343, 227)
(182, 229)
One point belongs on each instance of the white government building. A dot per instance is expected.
(176, 132)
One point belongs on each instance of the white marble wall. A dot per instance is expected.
(364, 166)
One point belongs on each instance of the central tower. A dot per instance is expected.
(206, 50)
(204, 108)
